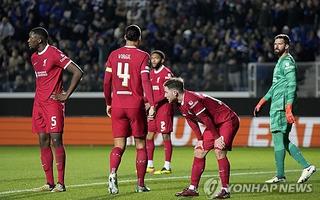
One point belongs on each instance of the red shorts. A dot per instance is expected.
(48, 117)
(128, 122)
(163, 121)
(227, 129)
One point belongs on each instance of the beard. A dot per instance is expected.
(279, 52)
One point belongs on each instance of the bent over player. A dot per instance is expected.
(221, 125)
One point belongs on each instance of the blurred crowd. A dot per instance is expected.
(207, 42)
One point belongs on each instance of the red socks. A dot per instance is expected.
(60, 162)
(167, 150)
(141, 165)
(115, 159)
(197, 169)
(46, 160)
(224, 171)
(150, 148)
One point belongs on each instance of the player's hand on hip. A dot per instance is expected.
(108, 111)
(151, 113)
(289, 114)
(219, 143)
(63, 96)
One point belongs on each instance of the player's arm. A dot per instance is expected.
(262, 101)
(195, 127)
(201, 112)
(290, 76)
(107, 84)
(77, 73)
(147, 87)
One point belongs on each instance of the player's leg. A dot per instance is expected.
(150, 148)
(141, 164)
(294, 151)
(60, 157)
(198, 166)
(166, 169)
(228, 130)
(120, 131)
(165, 127)
(224, 173)
(167, 150)
(54, 117)
(138, 125)
(39, 126)
(46, 161)
(279, 154)
(114, 161)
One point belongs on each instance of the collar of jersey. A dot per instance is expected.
(130, 46)
(44, 50)
(159, 70)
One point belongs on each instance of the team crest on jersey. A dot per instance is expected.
(288, 66)
(190, 103)
(44, 62)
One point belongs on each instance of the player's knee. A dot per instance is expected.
(199, 153)
(140, 143)
(57, 142)
(150, 136)
(166, 136)
(219, 154)
(44, 141)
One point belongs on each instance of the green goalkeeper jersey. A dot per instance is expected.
(282, 92)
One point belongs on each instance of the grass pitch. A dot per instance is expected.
(87, 169)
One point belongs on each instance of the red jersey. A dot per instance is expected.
(158, 78)
(127, 77)
(211, 112)
(48, 65)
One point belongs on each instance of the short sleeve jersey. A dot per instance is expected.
(126, 65)
(195, 103)
(48, 66)
(158, 78)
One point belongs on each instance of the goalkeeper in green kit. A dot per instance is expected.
(282, 95)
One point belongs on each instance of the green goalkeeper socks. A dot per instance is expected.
(279, 156)
(279, 153)
(296, 154)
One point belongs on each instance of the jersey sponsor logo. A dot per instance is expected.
(41, 74)
(288, 66)
(155, 87)
(124, 56)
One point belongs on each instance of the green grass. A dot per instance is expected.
(20, 169)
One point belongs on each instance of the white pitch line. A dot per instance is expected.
(149, 179)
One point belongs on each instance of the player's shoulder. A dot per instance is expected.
(54, 49)
(288, 59)
(167, 69)
(288, 62)
(190, 99)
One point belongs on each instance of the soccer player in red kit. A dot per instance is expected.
(127, 77)
(163, 121)
(221, 125)
(48, 108)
